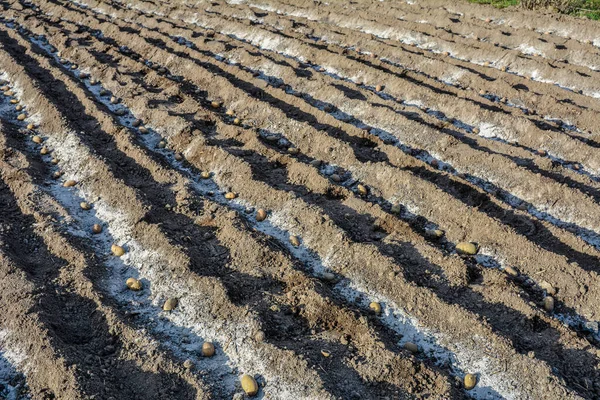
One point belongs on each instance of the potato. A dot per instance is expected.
(205, 174)
(37, 139)
(466, 248)
(170, 304)
(85, 205)
(134, 284)
(208, 349)
(376, 307)
(97, 228)
(117, 250)
(70, 183)
(44, 151)
(470, 381)
(295, 240)
(249, 385)
(434, 233)
(261, 215)
(215, 104)
(362, 189)
(230, 195)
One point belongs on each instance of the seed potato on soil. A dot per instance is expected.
(293, 104)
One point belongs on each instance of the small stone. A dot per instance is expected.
(413, 348)
(134, 284)
(259, 336)
(328, 276)
(208, 349)
(549, 303)
(170, 304)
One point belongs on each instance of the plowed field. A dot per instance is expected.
(349, 200)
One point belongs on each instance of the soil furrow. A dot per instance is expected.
(577, 286)
(317, 189)
(177, 263)
(85, 332)
(527, 43)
